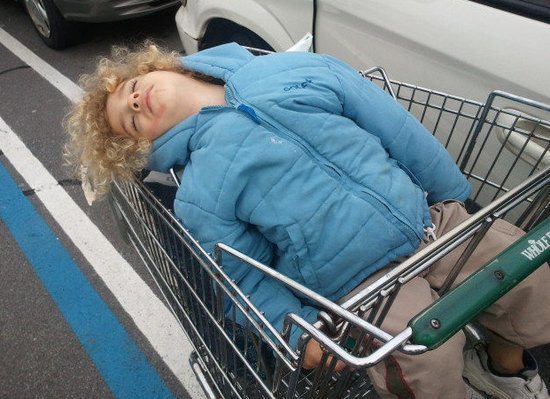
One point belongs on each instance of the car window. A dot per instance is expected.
(535, 9)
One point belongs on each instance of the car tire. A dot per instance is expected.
(52, 28)
(222, 31)
(249, 39)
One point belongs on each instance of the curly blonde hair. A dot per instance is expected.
(91, 145)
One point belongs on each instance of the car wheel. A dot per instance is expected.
(54, 30)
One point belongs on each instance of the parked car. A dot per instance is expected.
(458, 46)
(466, 48)
(58, 22)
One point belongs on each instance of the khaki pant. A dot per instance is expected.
(521, 316)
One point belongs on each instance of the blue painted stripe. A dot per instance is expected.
(120, 362)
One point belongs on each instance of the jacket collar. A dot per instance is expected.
(220, 62)
(172, 148)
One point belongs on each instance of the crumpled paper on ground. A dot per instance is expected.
(89, 192)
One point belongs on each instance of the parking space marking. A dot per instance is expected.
(147, 311)
(52, 75)
(121, 363)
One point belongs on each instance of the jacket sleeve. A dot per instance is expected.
(267, 294)
(401, 134)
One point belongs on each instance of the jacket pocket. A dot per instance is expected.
(301, 258)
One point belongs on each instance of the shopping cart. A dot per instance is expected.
(503, 152)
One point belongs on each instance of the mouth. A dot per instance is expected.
(148, 99)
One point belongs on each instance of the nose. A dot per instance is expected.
(134, 101)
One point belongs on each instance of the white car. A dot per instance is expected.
(456, 46)
(460, 47)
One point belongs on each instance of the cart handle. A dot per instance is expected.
(450, 313)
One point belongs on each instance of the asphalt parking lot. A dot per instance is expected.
(41, 352)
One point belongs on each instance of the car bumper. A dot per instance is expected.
(110, 10)
(189, 42)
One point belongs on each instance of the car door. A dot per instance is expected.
(458, 47)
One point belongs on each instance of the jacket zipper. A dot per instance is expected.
(327, 166)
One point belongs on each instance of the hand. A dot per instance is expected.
(313, 355)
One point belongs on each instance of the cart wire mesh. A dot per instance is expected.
(496, 147)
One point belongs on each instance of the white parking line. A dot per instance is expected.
(149, 314)
(52, 75)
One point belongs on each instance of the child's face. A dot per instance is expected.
(147, 105)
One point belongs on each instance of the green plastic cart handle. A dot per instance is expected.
(437, 323)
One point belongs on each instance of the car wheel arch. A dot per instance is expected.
(270, 30)
(220, 31)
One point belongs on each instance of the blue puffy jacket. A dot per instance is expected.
(310, 169)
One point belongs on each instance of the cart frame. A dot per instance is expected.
(255, 360)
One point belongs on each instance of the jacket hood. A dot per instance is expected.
(172, 148)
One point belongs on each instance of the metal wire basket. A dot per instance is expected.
(503, 152)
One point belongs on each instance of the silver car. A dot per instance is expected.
(58, 21)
